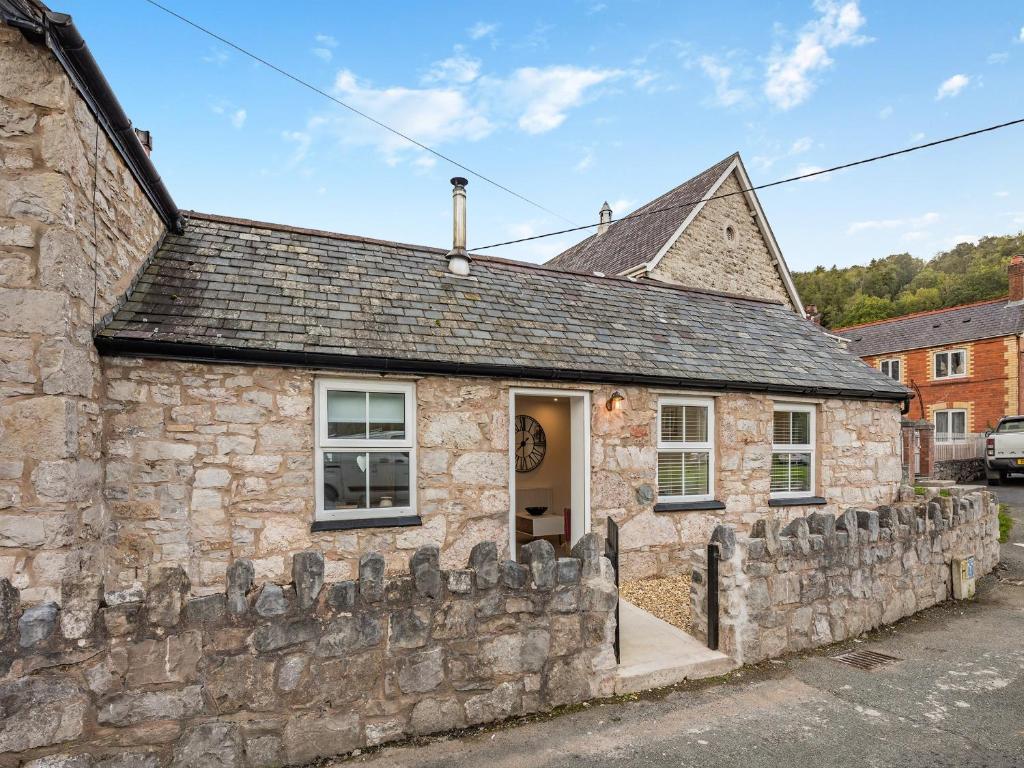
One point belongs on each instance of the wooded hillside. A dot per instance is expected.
(901, 283)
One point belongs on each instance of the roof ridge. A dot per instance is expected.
(216, 217)
(525, 265)
(922, 313)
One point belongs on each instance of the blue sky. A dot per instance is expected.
(574, 103)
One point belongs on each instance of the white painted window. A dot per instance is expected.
(686, 449)
(792, 473)
(365, 449)
(950, 425)
(891, 368)
(950, 364)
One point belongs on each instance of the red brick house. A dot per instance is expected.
(963, 363)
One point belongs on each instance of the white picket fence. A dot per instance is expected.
(969, 446)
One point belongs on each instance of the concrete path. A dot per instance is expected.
(656, 654)
(956, 698)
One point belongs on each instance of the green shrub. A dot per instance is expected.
(944, 492)
(919, 490)
(1005, 523)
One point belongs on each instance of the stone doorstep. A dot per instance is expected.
(656, 654)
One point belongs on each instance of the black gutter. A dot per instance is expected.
(62, 37)
(213, 353)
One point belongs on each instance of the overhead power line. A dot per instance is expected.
(756, 187)
(354, 110)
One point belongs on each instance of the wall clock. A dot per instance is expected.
(531, 443)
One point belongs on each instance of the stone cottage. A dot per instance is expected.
(180, 388)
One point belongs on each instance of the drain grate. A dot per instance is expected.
(862, 659)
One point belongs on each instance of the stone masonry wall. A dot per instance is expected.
(742, 265)
(286, 674)
(208, 463)
(823, 579)
(59, 179)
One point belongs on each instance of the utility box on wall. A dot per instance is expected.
(963, 578)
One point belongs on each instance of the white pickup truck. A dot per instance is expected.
(1004, 449)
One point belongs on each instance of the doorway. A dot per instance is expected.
(549, 467)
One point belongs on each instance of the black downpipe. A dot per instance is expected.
(713, 556)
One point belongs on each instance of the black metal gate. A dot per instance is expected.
(611, 551)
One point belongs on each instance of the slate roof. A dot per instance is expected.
(229, 289)
(969, 322)
(634, 241)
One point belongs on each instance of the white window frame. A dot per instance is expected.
(949, 417)
(810, 448)
(707, 446)
(948, 353)
(325, 444)
(889, 362)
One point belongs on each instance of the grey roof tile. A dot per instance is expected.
(393, 302)
(635, 240)
(956, 325)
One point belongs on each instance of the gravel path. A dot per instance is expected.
(667, 597)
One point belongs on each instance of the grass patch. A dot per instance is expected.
(1005, 523)
(944, 492)
(919, 490)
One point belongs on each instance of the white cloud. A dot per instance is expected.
(801, 145)
(998, 58)
(1020, 37)
(915, 223)
(324, 45)
(885, 113)
(542, 97)
(430, 115)
(621, 207)
(216, 56)
(803, 170)
(916, 137)
(585, 162)
(238, 118)
(789, 80)
(481, 29)
(721, 75)
(457, 68)
(1001, 193)
(952, 86)
(302, 140)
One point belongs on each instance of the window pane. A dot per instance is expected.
(941, 365)
(670, 474)
(346, 414)
(389, 480)
(942, 424)
(894, 370)
(957, 362)
(344, 480)
(695, 473)
(791, 428)
(684, 423)
(959, 419)
(387, 416)
(791, 473)
(672, 423)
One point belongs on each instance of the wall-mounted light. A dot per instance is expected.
(615, 401)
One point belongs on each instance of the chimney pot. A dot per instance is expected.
(1016, 274)
(458, 258)
(605, 218)
(146, 139)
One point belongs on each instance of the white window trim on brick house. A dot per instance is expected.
(325, 444)
(885, 366)
(789, 448)
(949, 436)
(682, 447)
(948, 354)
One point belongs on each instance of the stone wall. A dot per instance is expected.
(959, 470)
(60, 182)
(742, 265)
(824, 579)
(208, 463)
(286, 674)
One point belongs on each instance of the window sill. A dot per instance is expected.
(365, 522)
(689, 506)
(798, 501)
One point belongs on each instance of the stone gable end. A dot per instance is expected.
(705, 257)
